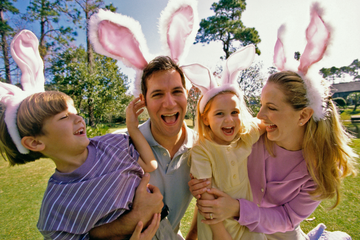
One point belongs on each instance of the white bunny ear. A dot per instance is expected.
(178, 27)
(279, 53)
(317, 36)
(119, 37)
(25, 52)
(238, 61)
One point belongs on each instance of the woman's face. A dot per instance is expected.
(284, 125)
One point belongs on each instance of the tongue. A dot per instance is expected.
(171, 119)
(226, 130)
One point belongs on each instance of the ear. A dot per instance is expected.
(32, 144)
(305, 115)
(205, 119)
(142, 98)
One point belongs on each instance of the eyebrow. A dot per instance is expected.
(159, 90)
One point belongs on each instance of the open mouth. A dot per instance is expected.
(228, 130)
(270, 127)
(81, 131)
(170, 118)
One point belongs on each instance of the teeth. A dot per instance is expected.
(169, 115)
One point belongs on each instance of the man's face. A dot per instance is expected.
(166, 102)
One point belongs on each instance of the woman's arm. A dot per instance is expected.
(147, 159)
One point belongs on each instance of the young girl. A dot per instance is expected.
(95, 179)
(227, 132)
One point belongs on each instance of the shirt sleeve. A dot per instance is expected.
(57, 235)
(200, 166)
(280, 218)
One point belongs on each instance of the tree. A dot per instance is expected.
(334, 72)
(340, 102)
(106, 85)
(354, 98)
(193, 98)
(226, 26)
(5, 31)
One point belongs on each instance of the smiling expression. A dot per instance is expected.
(166, 102)
(65, 135)
(281, 120)
(223, 118)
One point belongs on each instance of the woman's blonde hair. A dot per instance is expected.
(32, 113)
(326, 149)
(246, 122)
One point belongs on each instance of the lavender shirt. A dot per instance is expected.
(280, 189)
(98, 192)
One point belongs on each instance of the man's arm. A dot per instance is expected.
(144, 207)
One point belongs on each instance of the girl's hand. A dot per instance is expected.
(135, 108)
(198, 186)
(221, 208)
(150, 231)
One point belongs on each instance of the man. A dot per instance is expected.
(163, 90)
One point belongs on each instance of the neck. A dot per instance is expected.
(172, 144)
(69, 163)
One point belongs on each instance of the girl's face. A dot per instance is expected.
(223, 118)
(283, 123)
(65, 136)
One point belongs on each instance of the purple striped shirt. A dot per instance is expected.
(98, 192)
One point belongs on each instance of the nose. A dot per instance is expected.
(78, 118)
(169, 101)
(261, 114)
(228, 118)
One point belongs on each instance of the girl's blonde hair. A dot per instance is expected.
(32, 113)
(326, 149)
(246, 122)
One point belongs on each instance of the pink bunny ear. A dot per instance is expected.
(238, 61)
(317, 36)
(279, 53)
(25, 52)
(118, 36)
(200, 77)
(178, 24)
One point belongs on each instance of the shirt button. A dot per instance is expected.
(234, 176)
(262, 190)
(164, 154)
(233, 163)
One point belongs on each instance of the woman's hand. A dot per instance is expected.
(150, 231)
(219, 209)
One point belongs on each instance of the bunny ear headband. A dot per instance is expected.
(25, 52)
(202, 78)
(120, 37)
(317, 36)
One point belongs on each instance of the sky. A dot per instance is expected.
(265, 16)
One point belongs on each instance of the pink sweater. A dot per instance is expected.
(280, 194)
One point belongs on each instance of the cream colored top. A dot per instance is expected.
(226, 165)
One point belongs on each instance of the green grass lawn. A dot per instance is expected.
(22, 188)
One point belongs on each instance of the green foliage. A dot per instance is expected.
(98, 130)
(226, 26)
(354, 98)
(341, 102)
(106, 86)
(334, 72)
(193, 98)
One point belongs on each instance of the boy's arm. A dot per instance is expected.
(147, 159)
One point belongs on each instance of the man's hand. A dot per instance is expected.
(221, 208)
(145, 205)
(149, 233)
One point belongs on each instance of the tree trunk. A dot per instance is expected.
(5, 47)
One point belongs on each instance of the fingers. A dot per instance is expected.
(216, 192)
(198, 186)
(154, 225)
(137, 231)
(144, 182)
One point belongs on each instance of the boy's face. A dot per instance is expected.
(166, 102)
(65, 135)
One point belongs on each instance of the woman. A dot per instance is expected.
(302, 157)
